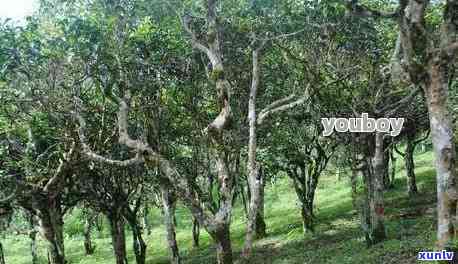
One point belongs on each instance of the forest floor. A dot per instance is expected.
(410, 226)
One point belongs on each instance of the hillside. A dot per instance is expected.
(338, 238)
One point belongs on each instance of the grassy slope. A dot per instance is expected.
(410, 226)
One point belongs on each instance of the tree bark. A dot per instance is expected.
(33, 246)
(118, 237)
(222, 238)
(378, 232)
(46, 204)
(364, 203)
(410, 165)
(255, 180)
(168, 207)
(393, 166)
(354, 179)
(366, 211)
(307, 218)
(50, 221)
(195, 233)
(444, 152)
(244, 195)
(256, 227)
(99, 225)
(139, 244)
(260, 225)
(369, 164)
(33, 239)
(260, 222)
(312, 184)
(386, 166)
(217, 131)
(146, 223)
(429, 68)
(88, 224)
(301, 188)
(2, 254)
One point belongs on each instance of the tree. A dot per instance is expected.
(427, 62)
(89, 221)
(408, 156)
(255, 178)
(168, 208)
(216, 223)
(41, 154)
(304, 169)
(47, 204)
(119, 198)
(6, 212)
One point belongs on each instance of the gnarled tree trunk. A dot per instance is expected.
(2, 254)
(139, 245)
(386, 173)
(445, 155)
(222, 238)
(168, 208)
(354, 177)
(33, 240)
(368, 163)
(88, 224)
(195, 232)
(118, 237)
(99, 225)
(307, 218)
(50, 221)
(378, 232)
(361, 169)
(392, 166)
(138, 242)
(301, 187)
(255, 180)
(260, 222)
(429, 68)
(410, 165)
(33, 246)
(146, 222)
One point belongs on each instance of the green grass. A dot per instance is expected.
(410, 226)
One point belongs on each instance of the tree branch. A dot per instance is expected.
(265, 114)
(98, 158)
(55, 183)
(363, 11)
(186, 21)
(398, 151)
(392, 108)
(397, 67)
(145, 154)
(124, 137)
(416, 142)
(280, 105)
